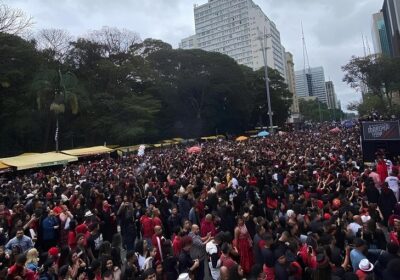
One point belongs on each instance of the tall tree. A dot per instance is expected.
(114, 40)
(122, 109)
(379, 74)
(201, 92)
(54, 41)
(13, 21)
(281, 98)
(19, 61)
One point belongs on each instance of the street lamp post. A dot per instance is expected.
(264, 52)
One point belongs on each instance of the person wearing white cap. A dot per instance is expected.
(184, 276)
(365, 268)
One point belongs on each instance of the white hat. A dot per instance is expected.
(184, 276)
(64, 198)
(289, 213)
(88, 213)
(365, 218)
(365, 265)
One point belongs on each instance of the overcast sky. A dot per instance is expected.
(333, 28)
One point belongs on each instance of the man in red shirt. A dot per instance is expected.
(147, 225)
(18, 270)
(207, 226)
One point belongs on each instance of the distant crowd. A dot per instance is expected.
(296, 205)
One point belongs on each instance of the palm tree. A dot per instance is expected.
(54, 91)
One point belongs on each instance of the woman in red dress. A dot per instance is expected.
(243, 244)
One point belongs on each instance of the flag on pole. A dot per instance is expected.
(56, 134)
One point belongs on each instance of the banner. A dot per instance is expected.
(383, 131)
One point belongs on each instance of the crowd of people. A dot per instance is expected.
(296, 205)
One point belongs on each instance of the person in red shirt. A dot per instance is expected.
(156, 218)
(147, 225)
(207, 226)
(177, 242)
(381, 169)
(19, 271)
(394, 236)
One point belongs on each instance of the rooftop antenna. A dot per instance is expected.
(305, 52)
(369, 50)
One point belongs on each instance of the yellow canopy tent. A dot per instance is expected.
(169, 142)
(4, 168)
(97, 150)
(38, 160)
(209, 138)
(134, 148)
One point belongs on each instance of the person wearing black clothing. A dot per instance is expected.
(130, 269)
(385, 257)
(227, 217)
(387, 202)
(260, 231)
(126, 216)
(186, 264)
(371, 191)
(281, 266)
(174, 220)
(94, 241)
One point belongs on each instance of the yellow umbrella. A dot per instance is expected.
(242, 138)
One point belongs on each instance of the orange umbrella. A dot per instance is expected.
(242, 138)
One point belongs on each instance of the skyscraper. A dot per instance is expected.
(234, 28)
(291, 81)
(331, 95)
(311, 83)
(391, 15)
(379, 35)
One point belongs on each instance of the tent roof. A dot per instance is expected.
(132, 148)
(4, 166)
(97, 150)
(38, 160)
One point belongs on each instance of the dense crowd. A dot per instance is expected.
(297, 205)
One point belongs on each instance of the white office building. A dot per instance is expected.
(234, 28)
(310, 83)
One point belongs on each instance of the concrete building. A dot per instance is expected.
(379, 35)
(311, 83)
(291, 81)
(331, 95)
(234, 28)
(391, 15)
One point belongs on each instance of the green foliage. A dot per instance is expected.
(377, 76)
(281, 98)
(316, 111)
(138, 92)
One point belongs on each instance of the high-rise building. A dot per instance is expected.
(391, 15)
(291, 81)
(331, 95)
(379, 35)
(236, 28)
(311, 83)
